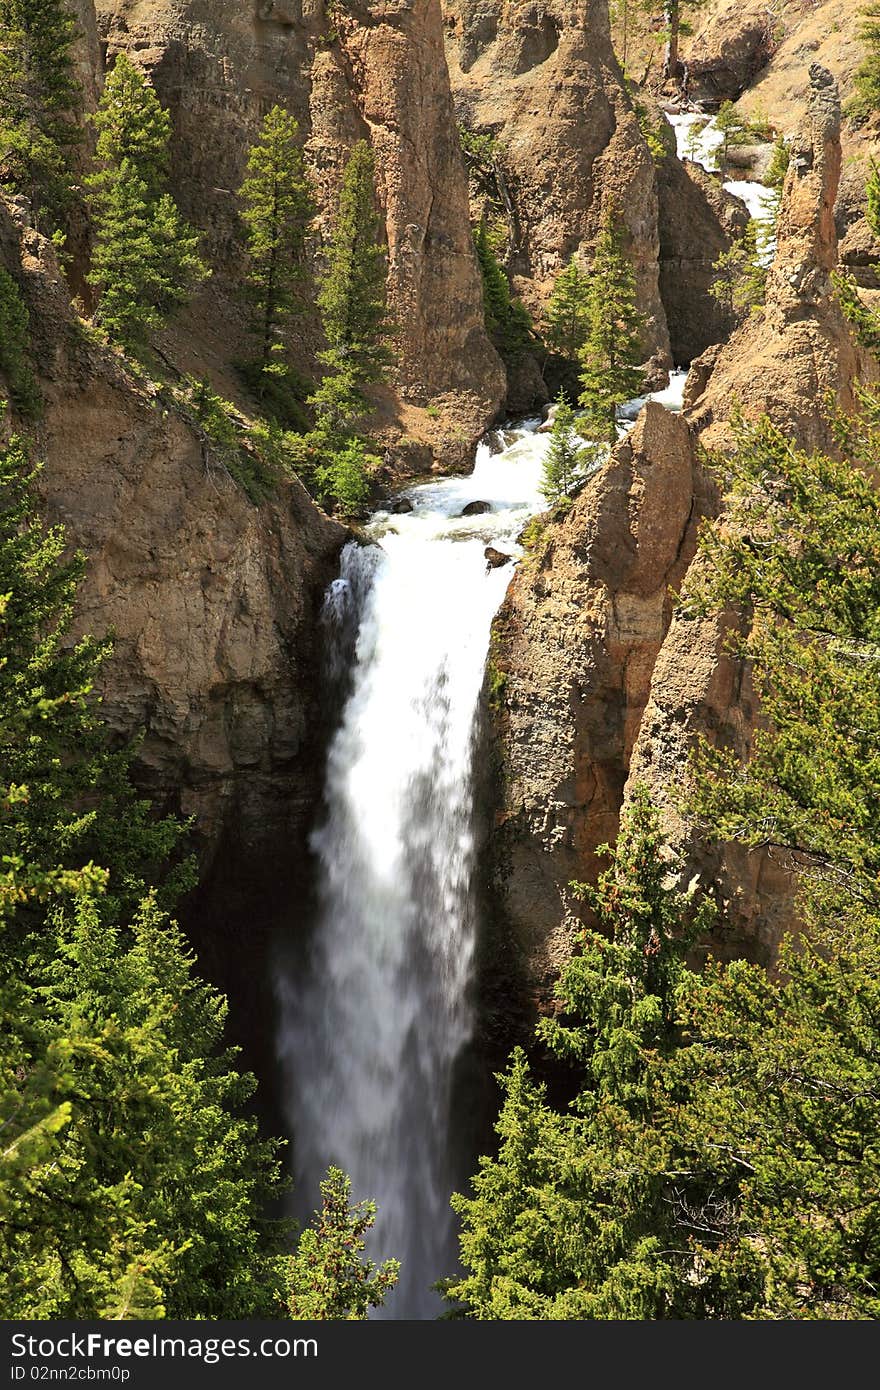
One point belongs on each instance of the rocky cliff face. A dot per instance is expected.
(358, 71)
(213, 601)
(791, 356)
(600, 689)
(543, 80)
(214, 604)
(574, 647)
(698, 223)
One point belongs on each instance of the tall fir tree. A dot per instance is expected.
(507, 319)
(610, 373)
(16, 367)
(351, 297)
(567, 317)
(276, 208)
(146, 259)
(39, 96)
(328, 1277)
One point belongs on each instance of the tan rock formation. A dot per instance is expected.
(783, 362)
(574, 647)
(698, 222)
(733, 43)
(213, 601)
(374, 71)
(789, 357)
(544, 81)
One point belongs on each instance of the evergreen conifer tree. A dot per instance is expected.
(867, 76)
(351, 297)
(507, 319)
(276, 212)
(567, 459)
(15, 364)
(38, 100)
(609, 371)
(146, 259)
(567, 316)
(328, 1277)
(352, 304)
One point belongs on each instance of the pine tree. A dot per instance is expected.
(352, 304)
(567, 316)
(507, 320)
(740, 277)
(276, 212)
(38, 101)
(352, 291)
(567, 460)
(328, 1278)
(15, 364)
(146, 259)
(609, 371)
(570, 1219)
(343, 475)
(867, 77)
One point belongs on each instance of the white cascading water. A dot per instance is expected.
(373, 1022)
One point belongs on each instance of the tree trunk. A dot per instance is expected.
(671, 62)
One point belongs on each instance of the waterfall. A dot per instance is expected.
(374, 1019)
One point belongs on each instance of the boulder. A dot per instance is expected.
(496, 558)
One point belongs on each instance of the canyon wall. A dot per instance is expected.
(604, 685)
(373, 71)
(544, 82)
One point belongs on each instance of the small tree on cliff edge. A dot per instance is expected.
(351, 299)
(610, 373)
(146, 257)
(276, 212)
(567, 460)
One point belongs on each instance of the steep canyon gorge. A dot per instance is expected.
(595, 683)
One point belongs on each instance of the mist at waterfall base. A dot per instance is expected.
(378, 1010)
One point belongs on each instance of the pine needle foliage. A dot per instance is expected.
(276, 209)
(39, 98)
(611, 352)
(16, 369)
(146, 260)
(328, 1276)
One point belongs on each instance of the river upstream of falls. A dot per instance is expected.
(375, 1019)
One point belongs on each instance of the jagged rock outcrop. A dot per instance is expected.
(213, 601)
(573, 650)
(365, 70)
(698, 223)
(732, 44)
(788, 358)
(543, 80)
(784, 362)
